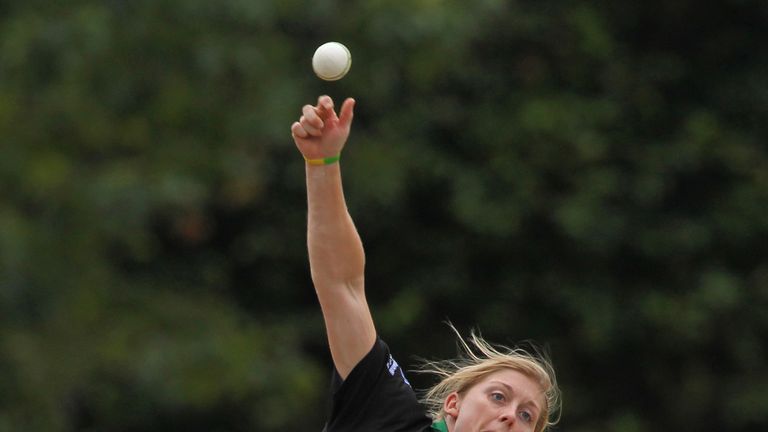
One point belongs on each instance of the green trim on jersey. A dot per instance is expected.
(440, 426)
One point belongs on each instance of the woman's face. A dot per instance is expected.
(504, 401)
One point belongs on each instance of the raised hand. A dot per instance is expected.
(320, 133)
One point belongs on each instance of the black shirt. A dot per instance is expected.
(375, 397)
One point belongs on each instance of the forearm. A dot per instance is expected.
(336, 253)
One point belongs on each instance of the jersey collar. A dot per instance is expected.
(440, 426)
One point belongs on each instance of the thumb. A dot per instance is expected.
(346, 113)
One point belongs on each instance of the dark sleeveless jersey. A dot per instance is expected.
(376, 397)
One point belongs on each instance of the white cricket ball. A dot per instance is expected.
(331, 61)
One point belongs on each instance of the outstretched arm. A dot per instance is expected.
(336, 255)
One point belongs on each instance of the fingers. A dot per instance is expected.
(311, 121)
(325, 108)
(315, 118)
(325, 103)
(298, 131)
(347, 113)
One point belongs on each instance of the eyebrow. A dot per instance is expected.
(511, 390)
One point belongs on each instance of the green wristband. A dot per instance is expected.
(323, 161)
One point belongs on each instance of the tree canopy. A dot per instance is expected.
(589, 176)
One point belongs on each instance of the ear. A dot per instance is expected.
(451, 405)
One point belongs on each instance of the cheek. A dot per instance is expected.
(473, 412)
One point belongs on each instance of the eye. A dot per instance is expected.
(498, 397)
(526, 417)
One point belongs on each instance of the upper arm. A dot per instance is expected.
(348, 323)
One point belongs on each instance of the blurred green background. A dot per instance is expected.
(589, 175)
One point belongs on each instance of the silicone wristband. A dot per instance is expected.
(323, 161)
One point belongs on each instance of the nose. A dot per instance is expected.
(508, 418)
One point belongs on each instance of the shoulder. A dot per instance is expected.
(376, 396)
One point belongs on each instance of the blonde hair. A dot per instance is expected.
(481, 359)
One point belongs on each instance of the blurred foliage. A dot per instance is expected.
(590, 176)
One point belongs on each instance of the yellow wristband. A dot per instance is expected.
(323, 161)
